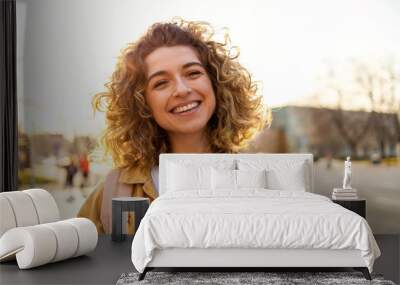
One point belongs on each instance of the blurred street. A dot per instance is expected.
(379, 184)
(69, 198)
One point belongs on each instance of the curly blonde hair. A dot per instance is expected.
(132, 136)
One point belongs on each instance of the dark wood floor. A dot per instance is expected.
(106, 264)
(389, 262)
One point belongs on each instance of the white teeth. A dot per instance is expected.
(186, 107)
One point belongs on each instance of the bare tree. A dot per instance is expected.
(351, 127)
(380, 85)
(363, 97)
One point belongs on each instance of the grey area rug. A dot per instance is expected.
(230, 278)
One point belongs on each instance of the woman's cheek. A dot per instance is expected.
(155, 102)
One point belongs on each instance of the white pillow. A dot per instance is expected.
(281, 174)
(181, 177)
(251, 178)
(223, 179)
(293, 180)
(235, 179)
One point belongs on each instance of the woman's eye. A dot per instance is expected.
(160, 84)
(194, 74)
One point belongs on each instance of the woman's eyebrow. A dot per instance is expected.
(189, 64)
(161, 72)
(186, 65)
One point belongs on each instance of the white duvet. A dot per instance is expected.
(252, 218)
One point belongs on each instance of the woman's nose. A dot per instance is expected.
(181, 88)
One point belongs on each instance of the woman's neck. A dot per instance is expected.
(189, 143)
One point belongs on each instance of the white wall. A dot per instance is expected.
(67, 49)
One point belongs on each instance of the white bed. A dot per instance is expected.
(205, 221)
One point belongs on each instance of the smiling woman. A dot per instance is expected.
(174, 90)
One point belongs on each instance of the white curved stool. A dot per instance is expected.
(31, 232)
(27, 208)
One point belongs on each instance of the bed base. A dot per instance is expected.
(250, 259)
(363, 270)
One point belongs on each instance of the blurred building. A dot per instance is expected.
(49, 145)
(43, 146)
(324, 131)
(83, 144)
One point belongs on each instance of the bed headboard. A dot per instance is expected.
(217, 158)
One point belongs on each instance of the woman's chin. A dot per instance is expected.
(188, 123)
(189, 129)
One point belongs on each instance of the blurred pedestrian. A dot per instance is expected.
(71, 169)
(328, 158)
(84, 167)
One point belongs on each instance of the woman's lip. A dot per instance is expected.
(191, 111)
(181, 105)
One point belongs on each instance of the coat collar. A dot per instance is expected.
(137, 175)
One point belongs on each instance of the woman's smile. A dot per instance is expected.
(185, 109)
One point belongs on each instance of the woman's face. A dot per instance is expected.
(179, 91)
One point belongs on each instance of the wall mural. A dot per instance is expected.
(333, 88)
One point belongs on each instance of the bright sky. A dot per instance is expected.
(284, 44)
